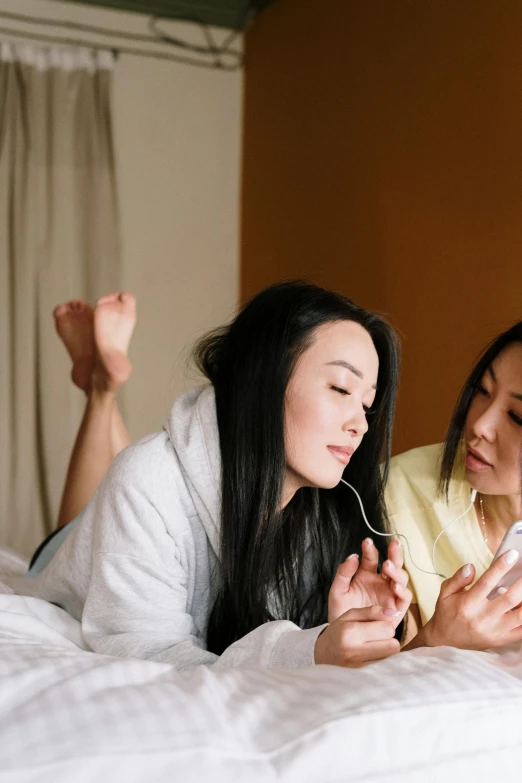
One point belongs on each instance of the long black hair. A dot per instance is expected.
(469, 390)
(263, 563)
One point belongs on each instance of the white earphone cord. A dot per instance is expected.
(400, 535)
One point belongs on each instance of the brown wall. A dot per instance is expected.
(383, 158)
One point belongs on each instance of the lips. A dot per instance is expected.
(342, 453)
(476, 462)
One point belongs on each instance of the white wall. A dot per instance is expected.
(177, 140)
(177, 137)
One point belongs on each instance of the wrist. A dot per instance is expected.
(100, 397)
(428, 635)
(424, 638)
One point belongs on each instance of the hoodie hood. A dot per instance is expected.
(193, 432)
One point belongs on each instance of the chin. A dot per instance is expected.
(485, 485)
(475, 480)
(325, 481)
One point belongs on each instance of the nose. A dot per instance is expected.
(357, 423)
(485, 425)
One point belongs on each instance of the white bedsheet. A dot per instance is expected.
(70, 715)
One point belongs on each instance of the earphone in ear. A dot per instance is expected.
(400, 535)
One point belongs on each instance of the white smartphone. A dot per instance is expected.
(512, 540)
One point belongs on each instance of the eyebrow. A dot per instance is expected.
(348, 366)
(513, 394)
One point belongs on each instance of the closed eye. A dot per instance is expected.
(516, 419)
(367, 410)
(479, 388)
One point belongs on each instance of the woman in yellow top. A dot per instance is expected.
(431, 486)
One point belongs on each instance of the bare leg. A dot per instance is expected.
(114, 324)
(119, 435)
(91, 455)
(115, 317)
(102, 433)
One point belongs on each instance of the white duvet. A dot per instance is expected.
(70, 715)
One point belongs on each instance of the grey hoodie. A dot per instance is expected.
(139, 572)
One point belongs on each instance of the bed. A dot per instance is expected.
(67, 714)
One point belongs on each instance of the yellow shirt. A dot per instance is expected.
(416, 511)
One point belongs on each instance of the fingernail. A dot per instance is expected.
(511, 556)
(391, 613)
(501, 590)
(350, 557)
(369, 540)
(399, 589)
(466, 571)
(390, 564)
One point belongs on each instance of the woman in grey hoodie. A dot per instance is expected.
(228, 539)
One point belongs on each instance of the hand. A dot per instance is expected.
(465, 618)
(356, 586)
(357, 637)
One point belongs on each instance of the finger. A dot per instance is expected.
(396, 607)
(510, 621)
(395, 554)
(367, 614)
(403, 600)
(490, 578)
(379, 630)
(458, 581)
(370, 556)
(389, 606)
(376, 651)
(346, 571)
(515, 635)
(509, 599)
(343, 577)
(390, 570)
(355, 634)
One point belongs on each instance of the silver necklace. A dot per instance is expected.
(481, 504)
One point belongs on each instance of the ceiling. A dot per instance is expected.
(232, 14)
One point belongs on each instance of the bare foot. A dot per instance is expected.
(75, 325)
(114, 321)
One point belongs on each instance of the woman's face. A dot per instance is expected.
(493, 430)
(332, 388)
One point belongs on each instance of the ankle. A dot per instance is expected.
(101, 395)
(111, 371)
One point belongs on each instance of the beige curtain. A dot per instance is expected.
(58, 241)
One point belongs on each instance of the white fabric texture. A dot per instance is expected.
(141, 569)
(68, 715)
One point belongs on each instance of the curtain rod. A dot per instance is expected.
(157, 37)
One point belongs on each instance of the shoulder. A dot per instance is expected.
(418, 462)
(150, 459)
(148, 472)
(413, 479)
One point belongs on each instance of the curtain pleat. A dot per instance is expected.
(59, 240)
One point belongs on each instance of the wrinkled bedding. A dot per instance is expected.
(67, 714)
